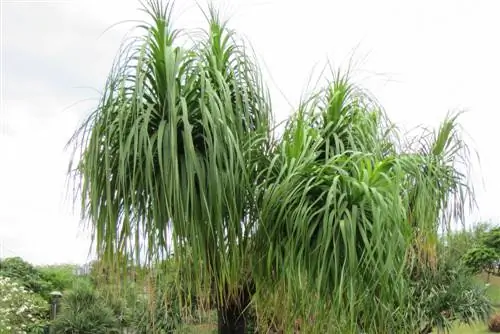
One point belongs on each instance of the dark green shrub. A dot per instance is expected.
(491, 239)
(27, 275)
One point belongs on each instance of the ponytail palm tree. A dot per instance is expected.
(437, 187)
(320, 224)
(173, 146)
(332, 220)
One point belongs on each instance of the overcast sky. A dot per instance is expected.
(419, 58)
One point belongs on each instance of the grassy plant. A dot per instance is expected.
(84, 311)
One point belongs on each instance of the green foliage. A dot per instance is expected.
(113, 304)
(20, 309)
(121, 302)
(323, 222)
(480, 258)
(26, 274)
(449, 294)
(40, 280)
(145, 306)
(331, 215)
(104, 271)
(84, 310)
(160, 308)
(455, 244)
(60, 277)
(191, 123)
(123, 299)
(37, 283)
(491, 239)
(149, 307)
(157, 312)
(477, 248)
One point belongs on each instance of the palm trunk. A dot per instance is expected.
(231, 319)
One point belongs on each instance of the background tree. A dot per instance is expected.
(60, 277)
(483, 252)
(454, 244)
(491, 239)
(480, 258)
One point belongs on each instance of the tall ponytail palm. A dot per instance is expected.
(173, 146)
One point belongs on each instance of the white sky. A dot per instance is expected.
(419, 58)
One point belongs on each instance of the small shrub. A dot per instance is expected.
(446, 295)
(494, 324)
(83, 310)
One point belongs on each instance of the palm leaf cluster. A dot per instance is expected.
(327, 222)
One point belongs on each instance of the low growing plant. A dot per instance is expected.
(445, 295)
(84, 310)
